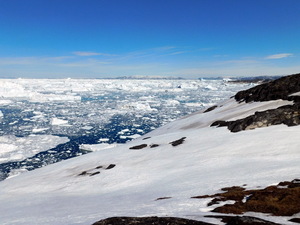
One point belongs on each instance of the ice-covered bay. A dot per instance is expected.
(95, 111)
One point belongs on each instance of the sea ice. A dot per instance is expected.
(82, 107)
(57, 122)
(14, 148)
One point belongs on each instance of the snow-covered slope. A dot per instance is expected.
(182, 159)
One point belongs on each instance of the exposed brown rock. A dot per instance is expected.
(280, 200)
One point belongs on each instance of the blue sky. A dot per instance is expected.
(111, 38)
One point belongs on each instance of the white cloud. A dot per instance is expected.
(279, 56)
(164, 48)
(177, 53)
(87, 53)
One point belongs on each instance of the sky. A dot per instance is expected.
(181, 38)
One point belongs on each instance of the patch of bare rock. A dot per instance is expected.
(177, 142)
(138, 147)
(96, 170)
(162, 198)
(173, 143)
(210, 109)
(280, 200)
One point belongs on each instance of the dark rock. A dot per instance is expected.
(149, 221)
(202, 196)
(247, 220)
(295, 220)
(154, 145)
(83, 173)
(216, 201)
(95, 173)
(277, 89)
(137, 147)
(243, 220)
(162, 198)
(110, 166)
(288, 115)
(146, 138)
(274, 90)
(219, 123)
(178, 142)
(210, 109)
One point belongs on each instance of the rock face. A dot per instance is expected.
(148, 221)
(288, 115)
(282, 88)
(277, 89)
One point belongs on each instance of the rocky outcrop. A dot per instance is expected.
(282, 88)
(228, 220)
(149, 221)
(288, 115)
(277, 89)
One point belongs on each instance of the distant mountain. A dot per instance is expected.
(141, 77)
(254, 79)
(234, 163)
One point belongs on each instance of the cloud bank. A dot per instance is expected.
(79, 53)
(279, 56)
